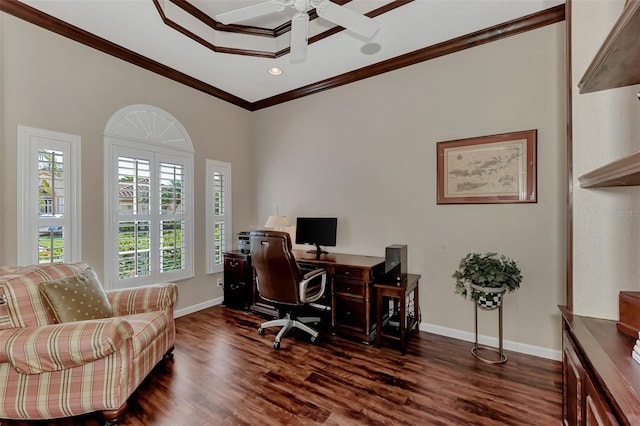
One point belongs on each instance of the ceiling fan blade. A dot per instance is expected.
(347, 18)
(299, 35)
(252, 11)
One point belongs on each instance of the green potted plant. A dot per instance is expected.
(486, 277)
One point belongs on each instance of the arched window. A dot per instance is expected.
(148, 198)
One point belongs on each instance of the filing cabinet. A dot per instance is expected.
(238, 280)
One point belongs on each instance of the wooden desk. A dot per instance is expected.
(401, 293)
(350, 295)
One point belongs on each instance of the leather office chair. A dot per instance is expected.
(280, 280)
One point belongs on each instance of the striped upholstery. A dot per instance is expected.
(5, 320)
(26, 307)
(52, 370)
(143, 299)
(10, 269)
(34, 350)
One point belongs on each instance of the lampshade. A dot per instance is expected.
(276, 222)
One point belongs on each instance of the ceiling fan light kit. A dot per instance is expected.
(332, 12)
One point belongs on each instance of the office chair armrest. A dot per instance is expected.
(312, 274)
(305, 286)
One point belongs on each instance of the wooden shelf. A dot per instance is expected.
(617, 63)
(622, 172)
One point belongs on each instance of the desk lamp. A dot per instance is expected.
(276, 221)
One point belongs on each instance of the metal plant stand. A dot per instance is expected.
(478, 347)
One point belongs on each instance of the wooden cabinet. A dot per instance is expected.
(238, 280)
(350, 315)
(584, 402)
(240, 285)
(601, 382)
(597, 410)
(572, 375)
(353, 302)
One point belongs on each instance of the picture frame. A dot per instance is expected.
(488, 169)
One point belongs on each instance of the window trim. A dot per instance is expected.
(213, 166)
(30, 140)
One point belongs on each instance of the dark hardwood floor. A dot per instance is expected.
(224, 373)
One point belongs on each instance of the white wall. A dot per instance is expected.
(53, 83)
(365, 153)
(606, 126)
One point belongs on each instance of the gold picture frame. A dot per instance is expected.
(488, 169)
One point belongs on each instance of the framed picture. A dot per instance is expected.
(488, 169)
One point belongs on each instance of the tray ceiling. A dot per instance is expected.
(184, 36)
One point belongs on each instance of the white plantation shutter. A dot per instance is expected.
(132, 238)
(49, 196)
(219, 236)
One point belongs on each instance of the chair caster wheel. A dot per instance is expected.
(314, 339)
(261, 331)
(276, 345)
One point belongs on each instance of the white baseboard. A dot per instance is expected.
(198, 307)
(492, 341)
(430, 328)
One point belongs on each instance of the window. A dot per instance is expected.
(149, 198)
(218, 213)
(150, 208)
(49, 191)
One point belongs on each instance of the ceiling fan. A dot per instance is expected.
(339, 15)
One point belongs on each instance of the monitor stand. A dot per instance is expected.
(318, 251)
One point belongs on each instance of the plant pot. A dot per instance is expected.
(488, 298)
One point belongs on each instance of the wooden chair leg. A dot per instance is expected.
(113, 417)
(169, 354)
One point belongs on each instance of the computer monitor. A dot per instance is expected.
(319, 231)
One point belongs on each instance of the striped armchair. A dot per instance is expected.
(51, 370)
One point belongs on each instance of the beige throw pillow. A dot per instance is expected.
(76, 298)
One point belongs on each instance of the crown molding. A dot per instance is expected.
(48, 22)
(497, 32)
(214, 25)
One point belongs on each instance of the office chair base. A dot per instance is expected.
(287, 324)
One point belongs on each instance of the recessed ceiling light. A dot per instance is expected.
(274, 71)
(370, 48)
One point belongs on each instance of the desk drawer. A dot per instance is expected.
(349, 273)
(350, 313)
(234, 269)
(350, 288)
(237, 294)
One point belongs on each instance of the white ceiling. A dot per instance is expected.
(137, 25)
